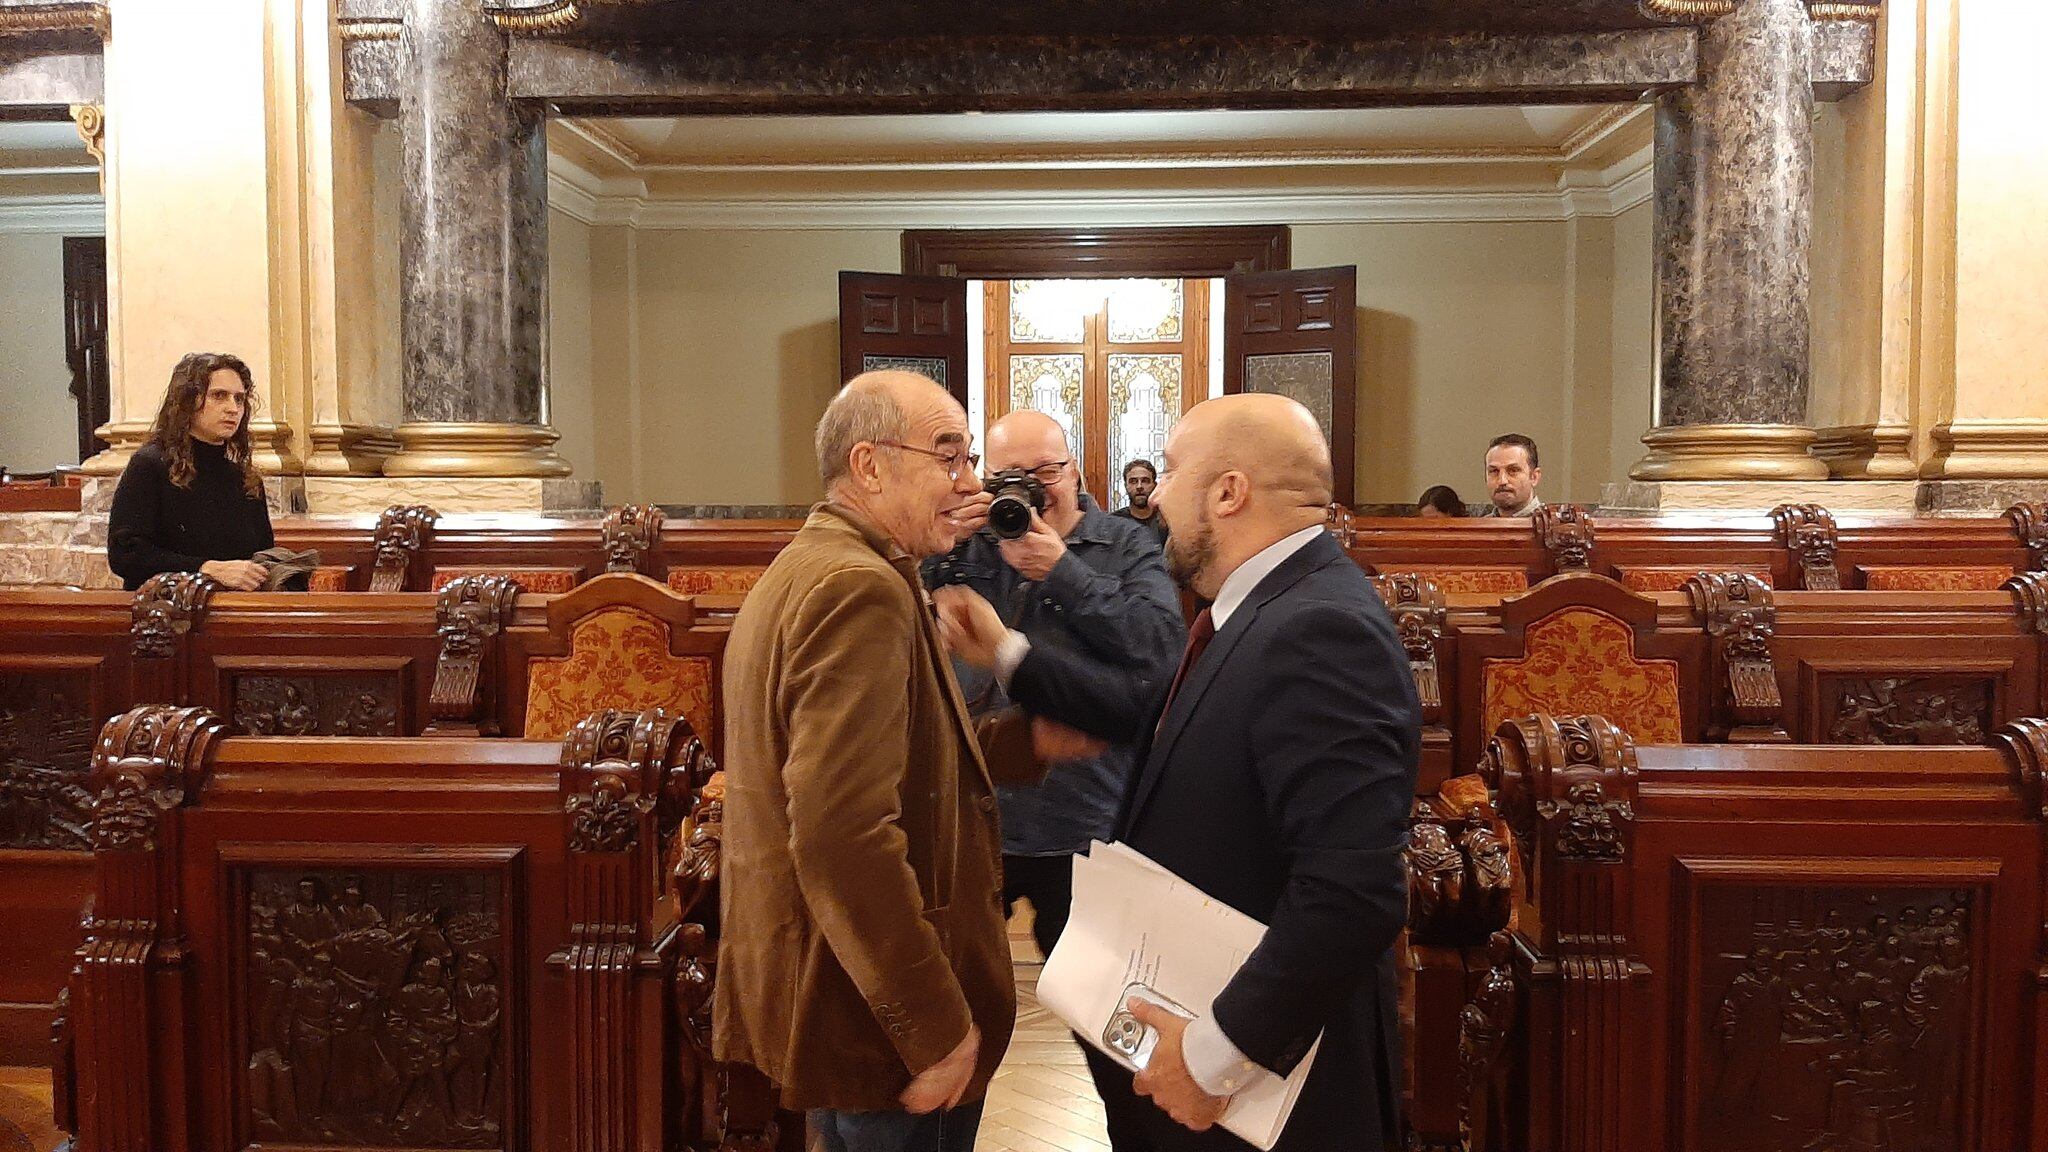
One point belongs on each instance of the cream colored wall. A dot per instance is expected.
(1462, 336)
(711, 352)
(738, 353)
(1632, 397)
(572, 404)
(40, 425)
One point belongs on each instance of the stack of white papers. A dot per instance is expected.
(1136, 926)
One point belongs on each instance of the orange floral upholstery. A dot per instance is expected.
(1905, 578)
(1656, 578)
(1580, 661)
(715, 580)
(328, 578)
(618, 658)
(543, 581)
(1453, 578)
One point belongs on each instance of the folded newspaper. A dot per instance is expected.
(1138, 930)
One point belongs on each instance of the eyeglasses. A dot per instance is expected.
(1051, 472)
(955, 463)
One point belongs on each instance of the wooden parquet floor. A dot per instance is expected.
(1042, 1099)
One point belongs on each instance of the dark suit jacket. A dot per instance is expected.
(1279, 783)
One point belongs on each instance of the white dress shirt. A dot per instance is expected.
(1215, 1063)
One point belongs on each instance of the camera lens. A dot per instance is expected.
(1010, 516)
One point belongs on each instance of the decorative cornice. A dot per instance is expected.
(584, 198)
(544, 20)
(370, 28)
(1861, 13)
(1685, 11)
(77, 215)
(1701, 11)
(56, 16)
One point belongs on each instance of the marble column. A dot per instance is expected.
(1734, 212)
(473, 249)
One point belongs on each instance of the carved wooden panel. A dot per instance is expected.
(47, 728)
(374, 1011)
(1831, 1018)
(317, 704)
(1906, 709)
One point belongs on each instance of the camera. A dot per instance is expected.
(1018, 493)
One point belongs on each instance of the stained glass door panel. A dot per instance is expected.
(1111, 360)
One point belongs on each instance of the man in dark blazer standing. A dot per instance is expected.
(1276, 775)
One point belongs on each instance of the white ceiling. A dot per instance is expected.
(1068, 139)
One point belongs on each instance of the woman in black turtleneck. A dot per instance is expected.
(191, 500)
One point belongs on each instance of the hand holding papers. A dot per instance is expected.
(1138, 930)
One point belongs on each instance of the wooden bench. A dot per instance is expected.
(1797, 547)
(406, 942)
(475, 659)
(1762, 947)
(1723, 659)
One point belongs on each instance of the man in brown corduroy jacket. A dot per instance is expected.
(862, 962)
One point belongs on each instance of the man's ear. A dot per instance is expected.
(1231, 493)
(1535, 477)
(864, 464)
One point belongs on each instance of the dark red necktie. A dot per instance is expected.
(1198, 639)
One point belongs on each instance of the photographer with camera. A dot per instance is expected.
(1067, 575)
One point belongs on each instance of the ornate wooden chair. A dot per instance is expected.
(621, 641)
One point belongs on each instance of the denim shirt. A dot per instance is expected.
(1107, 600)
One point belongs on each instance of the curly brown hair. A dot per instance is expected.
(172, 433)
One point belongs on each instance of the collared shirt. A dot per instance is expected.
(1107, 600)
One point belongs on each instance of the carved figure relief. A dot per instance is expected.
(402, 533)
(165, 608)
(316, 705)
(46, 738)
(375, 1008)
(1417, 605)
(1923, 710)
(1566, 533)
(631, 533)
(1835, 1020)
(1808, 532)
(1587, 822)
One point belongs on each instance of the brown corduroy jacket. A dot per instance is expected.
(861, 926)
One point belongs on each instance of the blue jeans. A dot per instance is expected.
(951, 1131)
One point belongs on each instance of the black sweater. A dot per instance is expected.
(157, 526)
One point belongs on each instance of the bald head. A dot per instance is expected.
(1274, 441)
(1025, 433)
(871, 408)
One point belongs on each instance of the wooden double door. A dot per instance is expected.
(1117, 374)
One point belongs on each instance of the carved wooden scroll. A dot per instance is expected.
(149, 762)
(166, 607)
(1808, 532)
(2030, 596)
(614, 774)
(631, 534)
(472, 611)
(403, 533)
(1572, 782)
(1737, 611)
(1337, 518)
(1566, 533)
(1417, 606)
(2030, 524)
